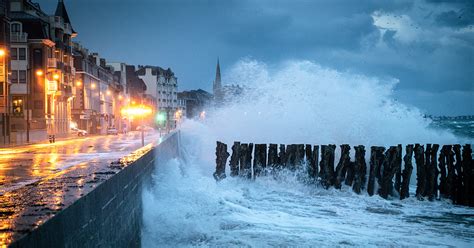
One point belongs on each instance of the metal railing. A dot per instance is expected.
(18, 37)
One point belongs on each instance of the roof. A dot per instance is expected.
(155, 70)
(62, 12)
(36, 27)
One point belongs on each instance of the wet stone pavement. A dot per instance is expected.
(32, 198)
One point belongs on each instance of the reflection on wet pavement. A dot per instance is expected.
(38, 181)
(26, 164)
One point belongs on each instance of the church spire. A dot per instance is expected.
(218, 72)
(217, 87)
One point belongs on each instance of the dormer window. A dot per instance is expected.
(15, 27)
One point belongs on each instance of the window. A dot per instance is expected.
(14, 77)
(14, 54)
(22, 76)
(22, 53)
(17, 106)
(16, 28)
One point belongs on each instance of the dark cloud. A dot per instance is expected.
(461, 18)
(430, 49)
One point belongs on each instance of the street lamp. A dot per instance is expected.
(138, 111)
(39, 73)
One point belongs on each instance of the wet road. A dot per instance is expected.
(28, 164)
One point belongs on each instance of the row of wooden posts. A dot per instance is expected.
(448, 175)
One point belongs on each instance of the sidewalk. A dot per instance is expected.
(46, 141)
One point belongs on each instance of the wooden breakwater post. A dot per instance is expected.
(468, 169)
(246, 160)
(342, 166)
(376, 160)
(360, 169)
(398, 174)
(389, 168)
(299, 156)
(453, 168)
(272, 155)
(432, 173)
(260, 159)
(442, 172)
(312, 160)
(420, 170)
(327, 165)
(221, 160)
(235, 159)
(282, 156)
(458, 176)
(406, 173)
(290, 157)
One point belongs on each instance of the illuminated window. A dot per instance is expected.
(17, 106)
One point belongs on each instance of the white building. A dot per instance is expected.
(163, 86)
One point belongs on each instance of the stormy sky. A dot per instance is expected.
(428, 44)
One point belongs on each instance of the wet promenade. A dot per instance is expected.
(38, 181)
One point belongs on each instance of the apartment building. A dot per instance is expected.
(42, 71)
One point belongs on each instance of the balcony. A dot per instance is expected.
(52, 63)
(18, 37)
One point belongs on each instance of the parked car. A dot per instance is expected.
(78, 131)
(112, 130)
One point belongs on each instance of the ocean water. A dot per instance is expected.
(461, 128)
(297, 102)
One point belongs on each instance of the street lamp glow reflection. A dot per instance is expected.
(136, 111)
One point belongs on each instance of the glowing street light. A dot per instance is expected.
(109, 92)
(2, 52)
(56, 76)
(93, 86)
(39, 73)
(140, 111)
(78, 83)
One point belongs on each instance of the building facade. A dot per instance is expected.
(163, 86)
(98, 93)
(48, 83)
(42, 72)
(196, 101)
